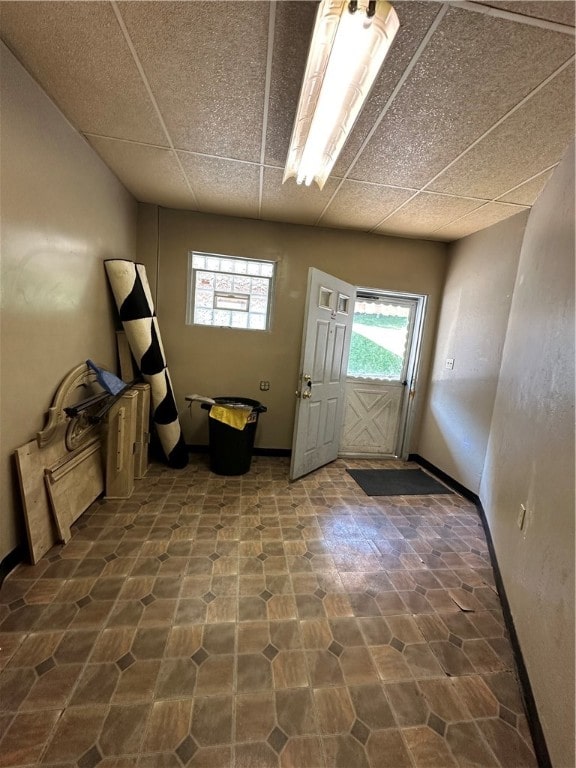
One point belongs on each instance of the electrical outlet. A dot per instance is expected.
(264, 386)
(521, 516)
(450, 363)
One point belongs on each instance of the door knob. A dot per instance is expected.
(306, 393)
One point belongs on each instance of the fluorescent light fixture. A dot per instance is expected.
(349, 44)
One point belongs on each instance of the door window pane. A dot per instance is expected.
(378, 341)
(325, 298)
(343, 303)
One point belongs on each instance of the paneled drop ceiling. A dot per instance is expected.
(191, 105)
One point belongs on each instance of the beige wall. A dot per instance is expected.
(502, 424)
(216, 361)
(62, 212)
(530, 459)
(471, 331)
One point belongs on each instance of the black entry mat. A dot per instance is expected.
(396, 482)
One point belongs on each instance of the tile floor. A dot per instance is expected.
(248, 622)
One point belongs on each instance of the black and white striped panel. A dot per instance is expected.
(136, 308)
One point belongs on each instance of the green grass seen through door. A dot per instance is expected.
(381, 321)
(370, 359)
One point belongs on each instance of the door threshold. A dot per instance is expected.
(367, 456)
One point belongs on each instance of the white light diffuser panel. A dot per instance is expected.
(346, 53)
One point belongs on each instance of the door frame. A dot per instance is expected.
(413, 362)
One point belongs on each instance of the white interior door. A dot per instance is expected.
(323, 366)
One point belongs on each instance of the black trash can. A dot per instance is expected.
(230, 448)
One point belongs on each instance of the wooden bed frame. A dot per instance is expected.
(62, 471)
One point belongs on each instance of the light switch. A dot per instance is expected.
(450, 363)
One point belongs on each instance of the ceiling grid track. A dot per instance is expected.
(152, 98)
(219, 157)
(518, 18)
(183, 151)
(269, 57)
(123, 141)
(480, 138)
(517, 186)
(498, 199)
(413, 61)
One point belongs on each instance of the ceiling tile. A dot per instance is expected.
(291, 202)
(561, 11)
(206, 65)
(455, 93)
(526, 194)
(489, 214)
(150, 173)
(426, 213)
(292, 33)
(77, 52)
(361, 206)
(531, 139)
(415, 20)
(223, 186)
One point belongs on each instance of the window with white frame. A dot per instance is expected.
(229, 292)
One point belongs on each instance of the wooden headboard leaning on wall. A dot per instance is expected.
(62, 471)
